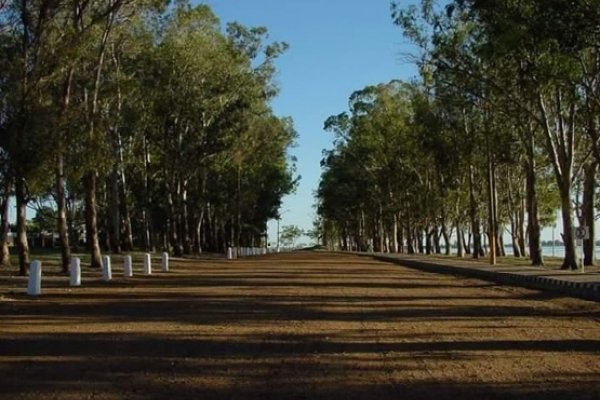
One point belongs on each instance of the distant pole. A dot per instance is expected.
(278, 218)
(553, 226)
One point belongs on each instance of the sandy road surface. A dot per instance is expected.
(297, 326)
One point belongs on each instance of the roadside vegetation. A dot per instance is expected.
(499, 132)
(138, 124)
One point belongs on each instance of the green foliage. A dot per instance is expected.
(156, 93)
(289, 235)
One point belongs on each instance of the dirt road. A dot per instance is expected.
(297, 326)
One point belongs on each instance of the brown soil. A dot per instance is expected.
(295, 326)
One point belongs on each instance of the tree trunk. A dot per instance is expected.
(559, 132)
(148, 231)
(114, 213)
(61, 221)
(410, 239)
(500, 252)
(395, 235)
(514, 235)
(127, 239)
(185, 227)
(491, 209)
(533, 224)
(400, 236)
(428, 241)
(5, 224)
(21, 240)
(473, 209)
(419, 236)
(588, 211)
(521, 228)
(436, 241)
(570, 260)
(198, 239)
(61, 200)
(460, 252)
(91, 221)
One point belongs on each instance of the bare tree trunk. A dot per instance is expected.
(400, 241)
(500, 252)
(61, 221)
(410, 239)
(559, 131)
(21, 242)
(61, 201)
(475, 228)
(114, 213)
(533, 225)
(185, 227)
(127, 239)
(91, 221)
(589, 188)
(521, 228)
(570, 260)
(514, 235)
(148, 240)
(460, 251)
(198, 245)
(5, 224)
(395, 235)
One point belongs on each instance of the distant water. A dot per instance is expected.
(548, 251)
(558, 251)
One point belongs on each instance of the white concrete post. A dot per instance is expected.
(229, 253)
(34, 286)
(147, 264)
(106, 269)
(75, 272)
(165, 262)
(127, 267)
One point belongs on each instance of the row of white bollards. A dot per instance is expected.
(34, 285)
(238, 252)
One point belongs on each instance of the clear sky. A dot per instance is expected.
(336, 48)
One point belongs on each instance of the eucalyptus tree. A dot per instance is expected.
(372, 163)
(28, 70)
(548, 42)
(141, 109)
(494, 56)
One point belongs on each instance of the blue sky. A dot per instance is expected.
(336, 47)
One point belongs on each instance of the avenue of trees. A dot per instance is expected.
(499, 133)
(138, 124)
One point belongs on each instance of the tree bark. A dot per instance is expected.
(533, 224)
(61, 221)
(91, 221)
(588, 211)
(185, 227)
(114, 213)
(395, 235)
(473, 209)
(5, 224)
(61, 201)
(21, 240)
(560, 146)
(148, 231)
(460, 252)
(514, 235)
